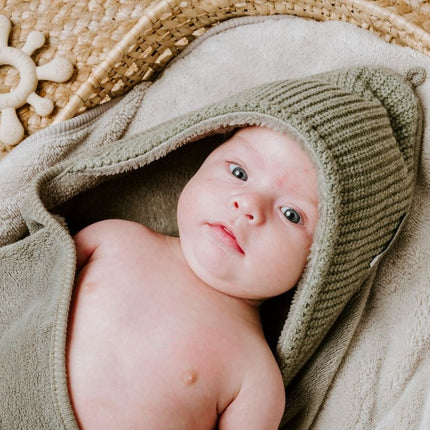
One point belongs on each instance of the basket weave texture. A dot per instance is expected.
(116, 44)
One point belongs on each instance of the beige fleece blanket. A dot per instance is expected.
(384, 379)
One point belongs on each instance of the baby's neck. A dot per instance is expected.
(248, 309)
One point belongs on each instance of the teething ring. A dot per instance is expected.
(27, 73)
(58, 70)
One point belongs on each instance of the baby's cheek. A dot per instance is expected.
(190, 197)
(185, 207)
(295, 255)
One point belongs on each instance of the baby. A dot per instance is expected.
(156, 332)
(165, 332)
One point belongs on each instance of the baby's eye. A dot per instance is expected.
(238, 172)
(291, 215)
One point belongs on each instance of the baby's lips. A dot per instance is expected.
(230, 232)
(226, 235)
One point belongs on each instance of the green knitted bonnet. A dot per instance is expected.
(362, 129)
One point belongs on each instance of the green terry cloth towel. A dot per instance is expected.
(362, 129)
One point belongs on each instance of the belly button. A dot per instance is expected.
(189, 377)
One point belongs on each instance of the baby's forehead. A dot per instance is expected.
(259, 141)
(273, 152)
(252, 133)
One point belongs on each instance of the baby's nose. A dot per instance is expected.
(250, 206)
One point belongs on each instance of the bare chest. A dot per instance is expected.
(146, 347)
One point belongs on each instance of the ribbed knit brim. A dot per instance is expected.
(362, 129)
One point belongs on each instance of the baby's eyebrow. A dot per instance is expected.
(243, 141)
(311, 201)
(311, 208)
(246, 148)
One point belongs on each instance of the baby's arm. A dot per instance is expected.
(259, 404)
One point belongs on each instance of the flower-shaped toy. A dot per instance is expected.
(57, 70)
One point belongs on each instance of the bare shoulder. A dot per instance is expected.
(113, 236)
(115, 226)
(113, 230)
(260, 401)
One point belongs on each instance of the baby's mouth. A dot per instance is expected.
(227, 237)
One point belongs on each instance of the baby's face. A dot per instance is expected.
(247, 217)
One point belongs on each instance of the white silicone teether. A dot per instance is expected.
(57, 70)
